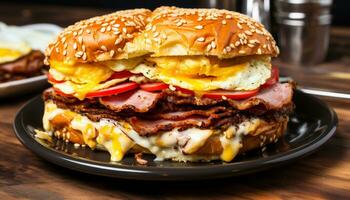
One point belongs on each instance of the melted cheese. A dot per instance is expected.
(103, 133)
(117, 137)
(116, 142)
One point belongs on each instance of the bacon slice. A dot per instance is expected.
(273, 97)
(139, 101)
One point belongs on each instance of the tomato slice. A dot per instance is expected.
(121, 74)
(51, 79)
(185, 91)
(273, 79)
(221, 94)
(151, 87)
(120, 88)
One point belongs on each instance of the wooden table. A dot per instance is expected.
(322, 175)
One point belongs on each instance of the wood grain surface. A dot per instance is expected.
(322, 175)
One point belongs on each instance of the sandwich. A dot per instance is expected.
(19, 62)
(181, 84)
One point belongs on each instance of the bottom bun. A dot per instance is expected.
(193, 144)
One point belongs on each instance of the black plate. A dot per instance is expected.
(312, 124)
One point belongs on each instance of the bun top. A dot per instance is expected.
(177, 31)
(99, 38)
(167, 31)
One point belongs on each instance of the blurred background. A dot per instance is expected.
(313, 35)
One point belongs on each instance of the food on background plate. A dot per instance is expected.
(182, 84)
(21, 52)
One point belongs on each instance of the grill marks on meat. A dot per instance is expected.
(151, 113)
(25, 66)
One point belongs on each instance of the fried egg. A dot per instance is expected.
(200, 74)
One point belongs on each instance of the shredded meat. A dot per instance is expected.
(151, 113)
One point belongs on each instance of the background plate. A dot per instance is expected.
(311, 125)
(23, 86)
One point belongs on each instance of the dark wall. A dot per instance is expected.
(340, 9)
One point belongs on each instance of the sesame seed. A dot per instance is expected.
(79, 54)
(57, 50)
(200, 19)
(88, 31)
(156, 34)
(259, 51)
(119, 49)
(105, 24)
(241, 51)
(109, 28)
(223, 22)
(104, 48)
(237, 43)
(148, 41)
(111, 53)
(239, 26)
(264, 46)
(232, 45)
(65, 52)
(129, 35)
(80, 39)
(116, 25)
(199, 27)
(213, 45)
(228, 17)
(228, 48)
(103, 29)
(124, 30)
(201, 39)
(224, 97)
(75, 33)
(208, 47)
(118, 40)
(248, 32)
(75, 46)
(84, 56)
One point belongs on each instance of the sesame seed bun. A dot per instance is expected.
(98, 39)
(179, 32)
(167, 31)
